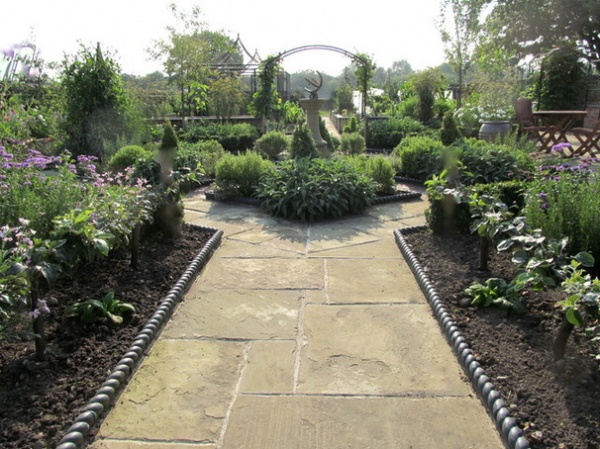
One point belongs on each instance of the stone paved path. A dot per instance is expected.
(301, 337)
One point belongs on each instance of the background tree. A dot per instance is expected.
(225, 97)
(363, 71)
(188, 55)
(427, 83)
(342, 99)
(98, 110)
(459, 22)
(520, 28)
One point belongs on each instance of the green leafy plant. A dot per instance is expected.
(352, 143)
(352, 126)
(497, 292)
(581, 308)
(315, 189)
(449, 132)
(303, 144)
(127, 156)
(106, 309)
(239, 175)
(380, 170)
(420, 157)
(272, 144)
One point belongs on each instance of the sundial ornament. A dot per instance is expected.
(314, 93)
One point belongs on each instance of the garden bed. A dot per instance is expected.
(557, 404)
(40, 400)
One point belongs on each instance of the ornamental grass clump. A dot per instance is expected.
(310, 190)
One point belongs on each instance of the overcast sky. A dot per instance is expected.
(388, 30)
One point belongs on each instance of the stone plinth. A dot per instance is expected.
(312, 106)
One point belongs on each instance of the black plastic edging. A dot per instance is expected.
(511, 434)
(116, 381)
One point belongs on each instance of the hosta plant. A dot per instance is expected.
(106, 309)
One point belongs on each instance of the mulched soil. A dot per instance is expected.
(40, 400)
(557, 404)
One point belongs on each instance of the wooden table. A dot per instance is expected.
(561, 122)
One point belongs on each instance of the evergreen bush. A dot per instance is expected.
(380, 170)
(272, 144)
(315, 189)
(238, 175)
(303, 144)
(352, 143)
(449, 132)
(420, 157)
(127, 156)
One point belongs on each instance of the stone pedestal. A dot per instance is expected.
(312, 106)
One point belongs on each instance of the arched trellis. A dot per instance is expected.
(360, 59)
(286, 53)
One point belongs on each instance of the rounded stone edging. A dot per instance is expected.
(511, 433)
(91, 415)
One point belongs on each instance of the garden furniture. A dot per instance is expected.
(589, 139)
(531, 126)
(559, 123)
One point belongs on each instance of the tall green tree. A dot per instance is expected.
(98, 110)
(519, 28)
(225, 97)
(363, 71)
(265, 100)
(190, 55)
(459, 24)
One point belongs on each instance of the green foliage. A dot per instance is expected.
(108, 308)
(485, 162)
(272, 144)
(511, 193)
(234, 138)
(169, 139)
(380, 170)
(315, 189)
(352, 126)
(239, 175)
(449, 132)
(427, 84)
(420, 157)
(564, 201)
(352, 143)
(389, 133)
(127, 156)
(204, 154)
(497, 293)
(325, 135)
(265, 99)
(562, 81)
(97, 107)
(582, 305)
(303, 144)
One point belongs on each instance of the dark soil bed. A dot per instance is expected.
(557, 404)
(39, 401)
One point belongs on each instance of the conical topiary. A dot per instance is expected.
(449, 132)
(303, 144)
(169, 139)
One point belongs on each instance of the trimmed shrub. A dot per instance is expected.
(315, 189)
(512, 193)
(272, 144)
(169, 139)
(352, 126)
(238, 175)
(449, 132)
(127, 156)
(303, 144)
(235, 138)
(380, 170)
(484, 162)
(388, 133)
(420, 157)
(352, 143)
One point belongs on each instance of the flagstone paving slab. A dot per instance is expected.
(270, 367)
(385, 349)
(115, 444)
(371, 281)
(292, 274)
(181, 392)
(380, 248)
(236, 314)
(365, 423)
(331, 237)
(231, 248)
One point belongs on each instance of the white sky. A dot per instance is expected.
(388, 30)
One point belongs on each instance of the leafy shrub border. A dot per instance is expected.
(94, 412)
(495, 405)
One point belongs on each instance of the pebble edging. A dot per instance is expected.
(89, 418)
(510, 432)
